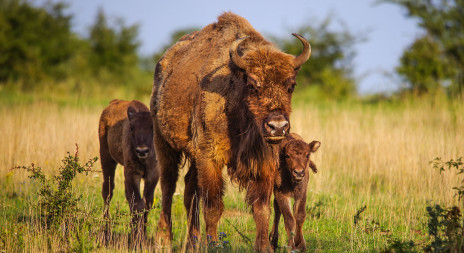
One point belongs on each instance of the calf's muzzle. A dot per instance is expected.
(142, 152)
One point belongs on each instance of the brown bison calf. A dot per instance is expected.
(292, 181)
(126, 137)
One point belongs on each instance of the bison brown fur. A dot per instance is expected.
(292, 181)
(126, 137)
(222, 98)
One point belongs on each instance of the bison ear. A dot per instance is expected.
(130, 112)
(314, 146)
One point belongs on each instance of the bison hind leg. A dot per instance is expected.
(169, 161)
(108, 165)
(191, 203)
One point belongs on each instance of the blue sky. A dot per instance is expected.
(386, 27)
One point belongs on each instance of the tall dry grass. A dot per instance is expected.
(372, 155)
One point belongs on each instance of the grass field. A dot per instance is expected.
(373, 155)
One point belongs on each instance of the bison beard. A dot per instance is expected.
(221, 101)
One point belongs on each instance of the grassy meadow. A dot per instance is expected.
(374, 168)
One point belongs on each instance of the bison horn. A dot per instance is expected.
(304, 56)
(236, 59)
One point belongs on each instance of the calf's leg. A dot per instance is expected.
(300, 215)
(136, 205)
(108, 167)
(151, 180)
(289, 220)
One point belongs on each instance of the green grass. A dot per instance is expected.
(373, 154)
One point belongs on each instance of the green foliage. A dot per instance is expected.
(57, 201)
(38, 49)
(443, 22)
(330, 65)
(422, 66)
(113, 49)
(175, 36)
(444, 226)
(448, 165)
(399, 246)
(34, 42)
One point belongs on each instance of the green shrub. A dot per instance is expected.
(57, 201)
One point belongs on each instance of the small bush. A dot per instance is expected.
(57, 200)
(445, 224)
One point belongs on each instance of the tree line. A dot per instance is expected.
(434, 62)
(37, 44)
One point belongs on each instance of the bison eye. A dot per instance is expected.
(291, 88)
(251, 88)
(307, 155)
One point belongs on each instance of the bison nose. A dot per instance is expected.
(142, 152)
(277, 127)
(298, 174)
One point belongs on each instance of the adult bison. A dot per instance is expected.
(221, 97)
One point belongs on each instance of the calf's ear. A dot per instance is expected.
(314, 146)
(130, 112)
(313, 166)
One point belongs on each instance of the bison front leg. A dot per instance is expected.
(191, 203)
(259, 197)
(300, 213)
(274, 236)
(211, 188)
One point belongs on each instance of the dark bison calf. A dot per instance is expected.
(292, 181)
(126, 137)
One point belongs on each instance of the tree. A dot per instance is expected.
(423, 66)
(35, 42)
(175, 36)
(443, 23)
(113, 49)
(329, 68)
